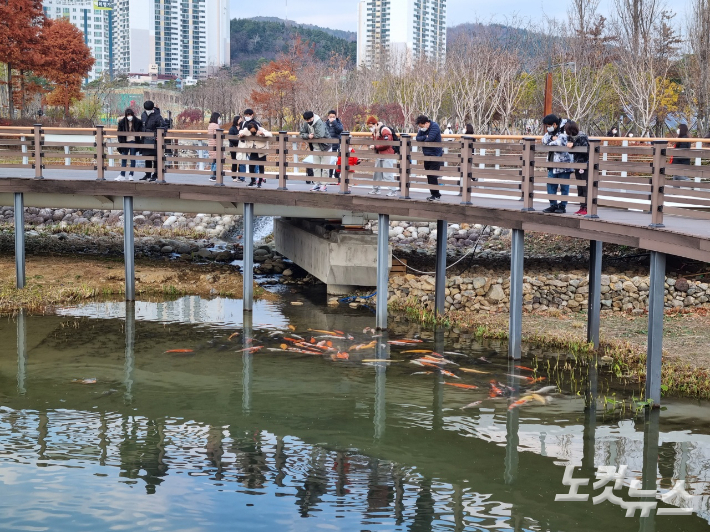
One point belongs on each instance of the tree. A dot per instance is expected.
(696, 66)
(21, 23)
(275, 96)
(68, 61)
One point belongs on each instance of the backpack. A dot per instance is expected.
(395, 137)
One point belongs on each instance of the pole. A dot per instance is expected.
(21, 352)
(248, 257)
(20, 239)
(129, 362)
(548, 94)
(128, 248)
(595, 294)
(440, 276)
(516, 294)
(383, 249)
(656, 302)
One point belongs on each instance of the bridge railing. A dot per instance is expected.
(632, 174)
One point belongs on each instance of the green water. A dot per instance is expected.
(215, 439)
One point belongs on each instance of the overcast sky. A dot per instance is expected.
(342, 14)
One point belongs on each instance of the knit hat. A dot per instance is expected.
(148, 105)
(371, 120)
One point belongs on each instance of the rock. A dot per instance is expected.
(288, 272)
(682, 284)
(479, 282)
(628, 286)
(166, 249)
(495, 293)
(297, 303)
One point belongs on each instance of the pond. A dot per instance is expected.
(181, 415)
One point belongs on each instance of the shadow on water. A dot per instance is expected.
(221, 416)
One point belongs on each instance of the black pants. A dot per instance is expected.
(433, 179)
(149, 163)
(581, 191)
(256, 169)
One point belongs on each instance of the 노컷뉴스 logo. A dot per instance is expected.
(607, 474)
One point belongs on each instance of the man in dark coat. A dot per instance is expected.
(430, 132)
(152, 120)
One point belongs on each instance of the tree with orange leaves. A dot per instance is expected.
(68, 61)
(275, 99)
(21, 23)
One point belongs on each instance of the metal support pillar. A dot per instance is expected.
(656, 301)
(248, 273)
(129, 248)
(595, 294)
(516, 294)
(383, 250)
(20, 239)
(440, 279)
(21, 352)
(129, 362)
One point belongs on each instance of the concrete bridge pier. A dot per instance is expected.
(383, 262)
(20, 239)
(248, 253)
(440, 270)
(656, 300)
(516, 294)
(129, 248)
(595, 294)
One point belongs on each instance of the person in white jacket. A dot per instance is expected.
(256, 137)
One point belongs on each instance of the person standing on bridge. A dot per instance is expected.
(430, 132)
(335, 131)
(128, 125)
(576, 139)
(556, 136)
(151, 122)
(381, 132)
(682, 133)
(312, 130)
(234, 143)
(256, 138)
(213, 126)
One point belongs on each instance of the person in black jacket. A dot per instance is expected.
(335, 130)
(233, 132)
(682, 133)
(575, 139)
(152, 120)
(430, 132)
(128, 125)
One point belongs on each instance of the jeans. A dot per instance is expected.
(552, 187)
(433, 179)
(129, 151)
(214, 167)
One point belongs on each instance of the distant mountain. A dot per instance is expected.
(258, 40)
(533, 43)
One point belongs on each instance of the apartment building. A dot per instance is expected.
(186, 39)
(401, 29)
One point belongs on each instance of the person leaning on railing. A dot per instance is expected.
(313, 129)
(256, 138)
(556, 136)
(381, 132)
(430, 132)
(128, 124)
(682, 133)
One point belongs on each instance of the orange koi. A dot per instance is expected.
(250, 349)
(360, 347)
(520, 402)
(461, 385)
(283, 346)
(179, 351)
(324, 332)
(233, 335)
(526, 369)
(448, 374)
(340, 356)
(339, 332)
(469, 370)
(418, 351)
(292, 328)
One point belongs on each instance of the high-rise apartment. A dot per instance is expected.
(168, 38)
(408, 29)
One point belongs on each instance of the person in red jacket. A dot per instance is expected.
(352, 161)
(381, 132)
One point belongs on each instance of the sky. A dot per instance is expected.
(342, 14)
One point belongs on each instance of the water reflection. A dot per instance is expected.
(302, 435)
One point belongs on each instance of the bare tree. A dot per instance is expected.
(696, 66)
(636, 21)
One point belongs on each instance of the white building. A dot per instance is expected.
(175, 38)
(406, 28)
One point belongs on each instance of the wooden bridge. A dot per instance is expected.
(631, 196)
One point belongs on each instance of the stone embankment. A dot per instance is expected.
(619, 293)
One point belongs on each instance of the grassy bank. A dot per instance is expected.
(622, 352)
(60, 280)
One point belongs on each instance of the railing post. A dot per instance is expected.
(283, 160)
(344, 163)
(160, 154)
(20, 239)
(99, 143)
(466, 160)
(219, 149)
(657, 183)
(593, 178)
(405, 151)
(528, 173)
(39, 165)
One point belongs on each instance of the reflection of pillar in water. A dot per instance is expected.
(512, 424)
(42, 432)
(398, 479)
(458, 509)
(650, 464)
(246, 363)
(382, 353)
(215, 450)
(103, 439)
(21, 352)
(590, 419)
(437, 414)
(129, 362)
(424, 509)
(280, 461)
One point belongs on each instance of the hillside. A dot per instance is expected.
(349, 36)
(255, 41)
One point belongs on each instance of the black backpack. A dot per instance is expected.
(395, 137)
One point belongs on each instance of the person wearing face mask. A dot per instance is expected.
(556, 136)
(682, 133)
(151, 120)
(256, 137)
(430, 132)
(335, 131)
(129, 124)
(613, 132)
(312, 130)
(213, 126)
(577, 139)
(234, 143)
(248, 117)
(380, 132)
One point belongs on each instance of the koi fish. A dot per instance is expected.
(471, 405)
(422, 373)
(84, 381)
(412, 340)
(417, 363)
(330, 336)
(538, 398)
(448, 374)
(179, 351)
(233, 335)
(292, 328)
(323, 332)
(380, 360)
(523, 377)
(526, 369)
(495, 391)
(454, 353)
(469, 370)
(545, 390)
(250, 349)
(360, 347)
(366, 330)
(302, 351)
(275, 349)
(338, 332)
(484, 360)
(520, 402)
(461, 385)
(418, 351)
(340, 356)
(441, 360)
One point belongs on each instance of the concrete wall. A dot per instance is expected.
(341, 260)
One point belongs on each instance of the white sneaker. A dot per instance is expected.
(374, 191)
(130, 178)
(392, 193)
(323, 188)
(316, 188)
(120, 178)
